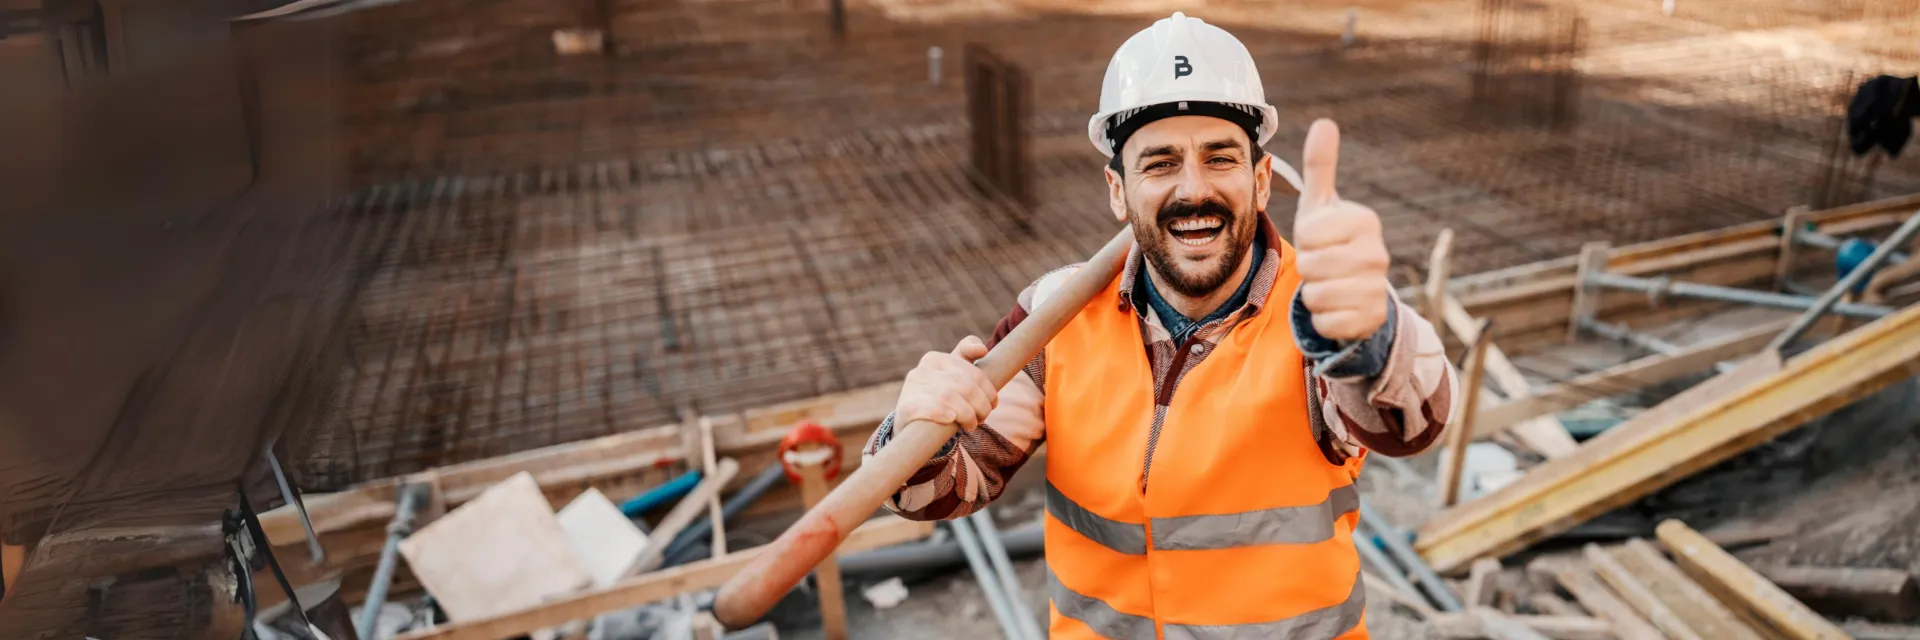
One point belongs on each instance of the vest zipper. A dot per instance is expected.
(1163, 397)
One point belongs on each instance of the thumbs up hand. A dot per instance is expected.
(1341, 255)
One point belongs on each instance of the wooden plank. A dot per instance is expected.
(1412, 602)
(1499, 626)
(1876, 631)
(1463, 626)
(1553, 605)
(656, 586)
(717, 520)
(1720, 572)
(1626, 378)
(1789, 225)
(1453, 465)
(1638, 595)
(1627, 624)
(1439, 263)
(1714, 421)
(1701, 611)
(1482, 583)
(681, 515)
(502, 551)
(606, 540)
(1881, 594)
(1586, 298)
(1544, 435)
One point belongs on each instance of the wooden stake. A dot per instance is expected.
(1789, 225)
(713, 501)
(1738, 584)
(1545, 434)
(813, 488)
(1586, 298)
(1461, 433)
(682, 515)
(1438, 266)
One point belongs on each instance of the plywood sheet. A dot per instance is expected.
(503, 551)
(605, 539)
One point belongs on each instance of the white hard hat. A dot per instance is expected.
(1181, 60)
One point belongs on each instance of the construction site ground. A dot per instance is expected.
(733, 209)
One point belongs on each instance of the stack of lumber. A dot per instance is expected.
(1682, 587)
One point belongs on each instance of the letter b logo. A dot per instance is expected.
(1181, 67)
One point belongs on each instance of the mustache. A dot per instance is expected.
(1178, 209)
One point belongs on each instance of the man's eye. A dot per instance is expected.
(1159, 165)
(1221, 159)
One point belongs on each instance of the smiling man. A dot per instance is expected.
(1208, 413)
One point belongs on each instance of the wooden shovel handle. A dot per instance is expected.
(761, 584)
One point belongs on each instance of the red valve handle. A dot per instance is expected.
(809, 432)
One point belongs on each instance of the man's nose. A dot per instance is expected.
(1194, 185)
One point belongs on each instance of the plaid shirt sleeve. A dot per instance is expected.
(1399, 410)
(973, 468)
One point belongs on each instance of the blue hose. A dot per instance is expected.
(674, 489)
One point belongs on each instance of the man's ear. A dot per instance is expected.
(1116, 194)
(1262, 181)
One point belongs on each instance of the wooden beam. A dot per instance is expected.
(1637, 595)
(1627, 625)
(681, 515)
(1626, 378)
(1882, 594)
(1875, 631)
(1438, 266)
(1711, 422)
(1464, 626)
(1552, 605)
(1789, 225)
(1499, 626)
(1720, 572)
(1701, 611)
(1586, 298)
(1453, 465)
(1544, 435)
(1385, 590)
(1482, 583)
(653, 587)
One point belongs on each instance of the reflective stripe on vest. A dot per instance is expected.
(1319, 624)
(1281, 525)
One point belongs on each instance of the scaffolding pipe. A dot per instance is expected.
(982, 570)
(399, 529)
(1645, 341)
(1392, 537)
(1663, 286)
(1009, 581)
(1392, 573)
(1831, 299)
(1824, 241)
(299, 506)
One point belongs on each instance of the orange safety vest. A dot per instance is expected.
(1244, 527)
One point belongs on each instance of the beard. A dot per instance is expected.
(1193, 279)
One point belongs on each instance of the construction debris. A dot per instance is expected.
(1841, 592)
(885, 594)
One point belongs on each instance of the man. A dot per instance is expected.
(1204, 444)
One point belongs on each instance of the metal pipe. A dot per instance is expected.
(399, 529)
(1663, 286)
(1383, 565)
(1430, 582)
(690, 538)
(1824, 241)
(1645, 341)
(299, 506)
(1831, 299)
(1009, 581)
(996, 598)
(1021, 542)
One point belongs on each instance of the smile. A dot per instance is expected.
(1197, 231)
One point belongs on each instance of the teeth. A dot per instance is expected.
(1194, 243)
(1196, 224)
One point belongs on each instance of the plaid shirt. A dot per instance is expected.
(1399, 411)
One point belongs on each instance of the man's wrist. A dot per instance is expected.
(1367, 361)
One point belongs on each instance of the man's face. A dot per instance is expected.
(1190, 188)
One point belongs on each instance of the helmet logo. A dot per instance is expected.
(1181, 67)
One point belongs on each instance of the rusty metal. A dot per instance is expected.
(997, 110)
(1525, 58)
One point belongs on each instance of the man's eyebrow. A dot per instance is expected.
(1224, 143)
(1156, 151)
